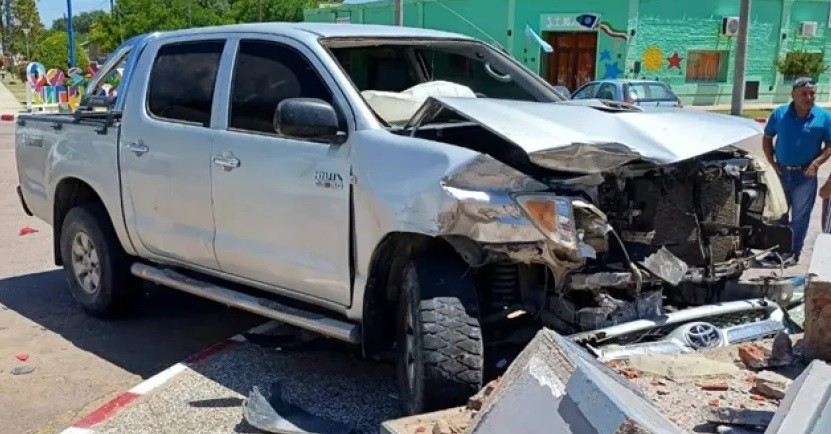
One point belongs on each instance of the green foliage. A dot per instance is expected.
(26, 11)
(134, 17)
(52, 52)
(81, 23)
(801, 63)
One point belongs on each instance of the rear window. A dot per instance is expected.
(650, 92)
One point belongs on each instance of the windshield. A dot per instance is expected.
(396, 76)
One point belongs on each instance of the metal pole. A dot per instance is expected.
(398, 6)
(741, 59)
(70, 33)
(112, 7)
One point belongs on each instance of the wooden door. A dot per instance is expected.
(572, 63)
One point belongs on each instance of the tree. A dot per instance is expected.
(52, 52)
(134, 17)
(246, 11)
(26, 12)
(81, 23)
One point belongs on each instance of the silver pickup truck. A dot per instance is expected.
(415, 192)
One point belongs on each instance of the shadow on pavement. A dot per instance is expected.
(169, 326)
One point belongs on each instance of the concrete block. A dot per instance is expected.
(818, 302)
(806, 407)
(554, 386)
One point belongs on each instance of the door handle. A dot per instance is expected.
(228, 163)
(138, 148)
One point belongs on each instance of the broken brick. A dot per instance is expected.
(756, 397)
(714, 385)
(753, 355)
(713, 403)
(630, 373)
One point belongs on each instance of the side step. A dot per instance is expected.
(324, 325)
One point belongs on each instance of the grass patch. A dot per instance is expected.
(16, 87)
(752, 114)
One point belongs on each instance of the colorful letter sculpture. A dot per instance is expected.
(58, 88)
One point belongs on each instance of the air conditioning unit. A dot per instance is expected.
(730, 26)
(808, 29)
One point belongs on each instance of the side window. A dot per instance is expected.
(607, 91)
(182, 81)
(586, 92)
(266, 73)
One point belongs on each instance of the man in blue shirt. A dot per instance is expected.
(800, 128)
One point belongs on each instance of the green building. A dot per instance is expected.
(687, 44)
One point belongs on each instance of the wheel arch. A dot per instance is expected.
(70, 192)
(389, 258)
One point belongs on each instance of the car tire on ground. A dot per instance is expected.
(97, 268)
(439, 339)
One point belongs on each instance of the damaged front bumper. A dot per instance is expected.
(687, 330)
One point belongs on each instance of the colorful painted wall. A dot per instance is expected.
(675, 42)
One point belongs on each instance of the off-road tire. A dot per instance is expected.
(447, 347)
(118, 291)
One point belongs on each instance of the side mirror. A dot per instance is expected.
(306, 118)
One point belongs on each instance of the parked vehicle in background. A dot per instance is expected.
(642, 93)
(415, 192)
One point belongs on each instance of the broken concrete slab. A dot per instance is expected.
(818, 302)
(771, 384)
(556, 386)
(740, 416)
(675, 366)
(806, 407)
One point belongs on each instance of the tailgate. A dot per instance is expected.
(33, 141)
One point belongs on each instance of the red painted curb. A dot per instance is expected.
(115, 405)
(105, 411)
(7, 117)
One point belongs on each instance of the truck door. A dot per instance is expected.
(165, 150)
(281, 205)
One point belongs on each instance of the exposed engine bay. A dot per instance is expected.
(629, 241)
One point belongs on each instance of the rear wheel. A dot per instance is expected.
(97, 268)
(439, 346)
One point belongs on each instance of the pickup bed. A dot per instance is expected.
(415, 192)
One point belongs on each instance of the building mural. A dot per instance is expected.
(689, 46)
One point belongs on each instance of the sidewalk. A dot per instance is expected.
(8, 103)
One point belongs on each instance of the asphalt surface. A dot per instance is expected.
(79, 362)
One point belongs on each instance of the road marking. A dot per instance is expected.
(111, 408)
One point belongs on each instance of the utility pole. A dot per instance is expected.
(112, 7)
(741, 59)
(261, 9)
(70, 33)
(399, 12)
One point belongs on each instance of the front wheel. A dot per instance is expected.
(96, 267)
(439, 346)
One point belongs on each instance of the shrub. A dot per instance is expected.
(52, 52)
(801, 63)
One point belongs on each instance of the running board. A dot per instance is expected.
(324, 325)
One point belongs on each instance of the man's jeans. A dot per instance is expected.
(826, 216)
(801, 191)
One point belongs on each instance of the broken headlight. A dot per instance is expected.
(552, 215)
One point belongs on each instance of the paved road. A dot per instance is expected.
(80, 362)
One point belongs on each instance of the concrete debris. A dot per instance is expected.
(456, 419)
(556, 386)
(782, 350)
(475, 402)
(675, 366)
(743, 417)
(806, 407)
(818, 302)
(771, 384)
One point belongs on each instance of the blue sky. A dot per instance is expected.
(51, 10)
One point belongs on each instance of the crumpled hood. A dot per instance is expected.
(591, 137)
